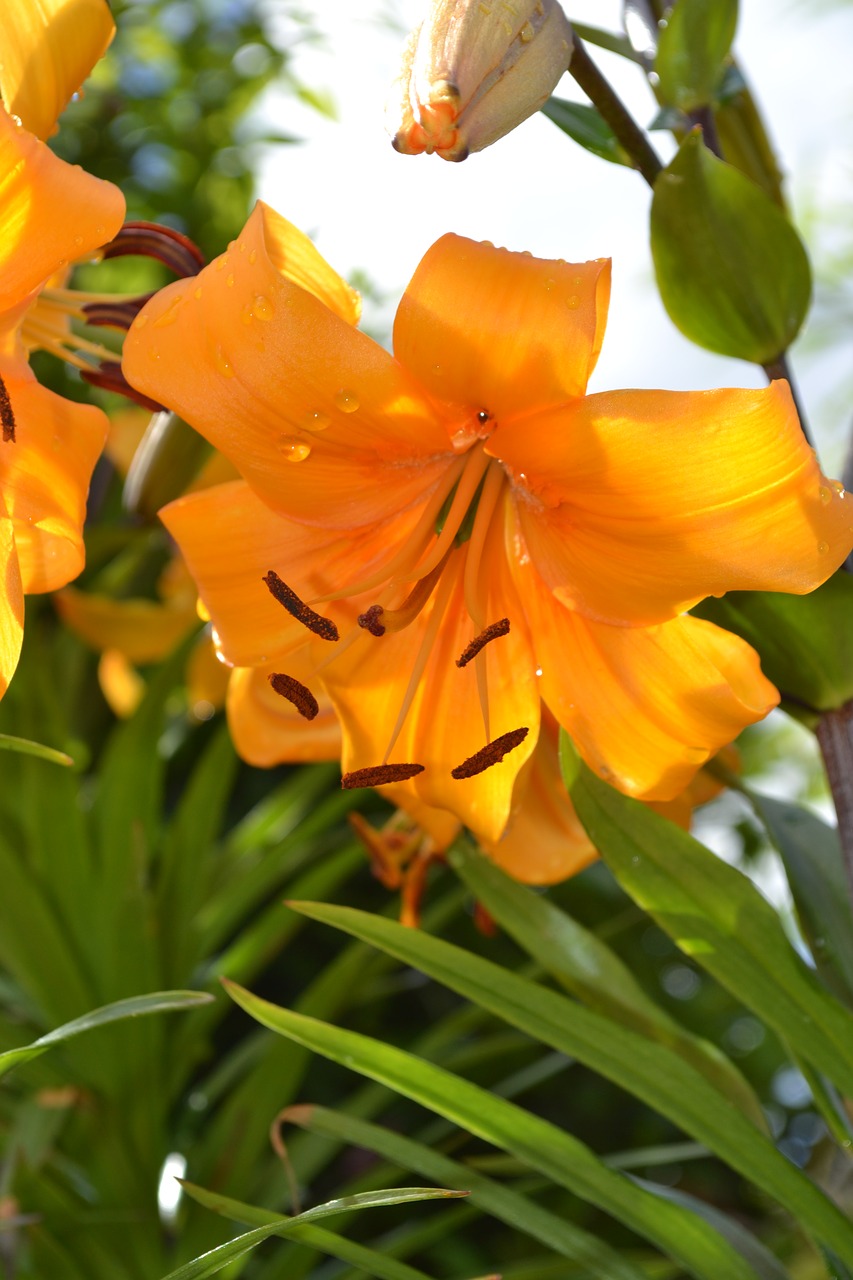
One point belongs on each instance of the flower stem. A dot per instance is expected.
(613, 110)
(835, 738)
(779, 368)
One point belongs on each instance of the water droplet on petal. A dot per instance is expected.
(577, 282)
(253, 257)
(242, 246)
(573, 302)
(526, 33)
(78, 240)
(822, 548)
(825, 495)
(488, 244)
(538, 671)
(317, 421)
(292, 448)
(140, 322)
(346, 401)
(838, 487)
(170, 315)
(230, 280)
(197, 293)
(263, 308)
(221, 263)
(223, 364)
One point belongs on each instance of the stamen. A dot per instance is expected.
(378, 775)
(471, 583)
(151, 240)
(7, 416)
(409, 554)
(322, 627)
(110, 377)
(491, 753)
(492, 632)
(399, 619)
(301, 697)
(476, 464)
(115, 313)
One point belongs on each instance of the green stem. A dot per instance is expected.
(612, 109)
(835, 738)
(779, 368)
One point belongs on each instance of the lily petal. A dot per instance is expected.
(140, 630)
(308, 408)
(49, 49)
(635, 505)
(645, 706)
(252, 628)
(522, 333)
(50, 212)
(45, 477)
(11, 602)
(267, 730)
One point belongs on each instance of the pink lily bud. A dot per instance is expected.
(473, 70)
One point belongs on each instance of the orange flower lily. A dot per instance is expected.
(50, 214)
(505, 540)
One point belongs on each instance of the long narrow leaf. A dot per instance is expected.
(649, 1070)
(543, 1146)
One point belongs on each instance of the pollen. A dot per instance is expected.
(492, 753)
(492, 632)
(378, 775)
(301, 697)
(315, 622)
(7, 417)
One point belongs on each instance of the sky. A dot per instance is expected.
(371, 210)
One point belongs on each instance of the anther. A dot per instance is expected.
(322, 627)
(378, 775)
(301, 697)
(491, 753)
(151, 240)
(492, 632)
(370, 620)
(109, 376)
(7, 417)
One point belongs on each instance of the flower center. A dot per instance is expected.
(443, 552)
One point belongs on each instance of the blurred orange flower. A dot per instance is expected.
(50, 214)
(485, 538)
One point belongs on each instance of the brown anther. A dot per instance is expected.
(115, 315)
(109, 376)
(370, 620)
(491, 632)
(7, 417)
(315, 622)
(491, 753)
(301, 697)
(151, 240)
(377, 775)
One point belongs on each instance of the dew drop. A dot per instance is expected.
(242, 246)
(253, 257)
(573, 302)
(346, 401)
(170, 315)
(140, 322)
(263, 308)
(549, 285)
(526, 33)
(293, 449)
(248, 314)
(223, 364)
(825, 495)
(78, 240)
(197, 293)
(317, 421)
(577, 282)
(822, 548)
(221, 263)
(488, 244)
(153, 353)
(527, 253)
(538, 671)
(838, 487)
(230, 280)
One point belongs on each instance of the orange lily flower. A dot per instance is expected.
(50, 213)
(503, 540)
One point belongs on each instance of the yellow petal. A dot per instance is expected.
(45, 477)
(309, 410)
(298, 259)
(645, 706)
(501, 332)
(207, 678)
(50, 212)
(267, 729)
(635, 505)
(121, 684)
(11, 602)
(49, 48)
(142, 630)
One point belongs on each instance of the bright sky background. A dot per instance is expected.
(370, 209)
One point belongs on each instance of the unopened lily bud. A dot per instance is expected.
(473, 70)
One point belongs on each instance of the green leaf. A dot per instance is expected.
(26, 747)
(588, 968)
(209, 1263)
(135, 1007)
(692, 50)
(732, 271)
(645, 1068)
(367, 1260)
(582, 1248)
(715, 914)
(805, 642)
(811, 854)
(614, 41)
(585, 126)
(544, 1147)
